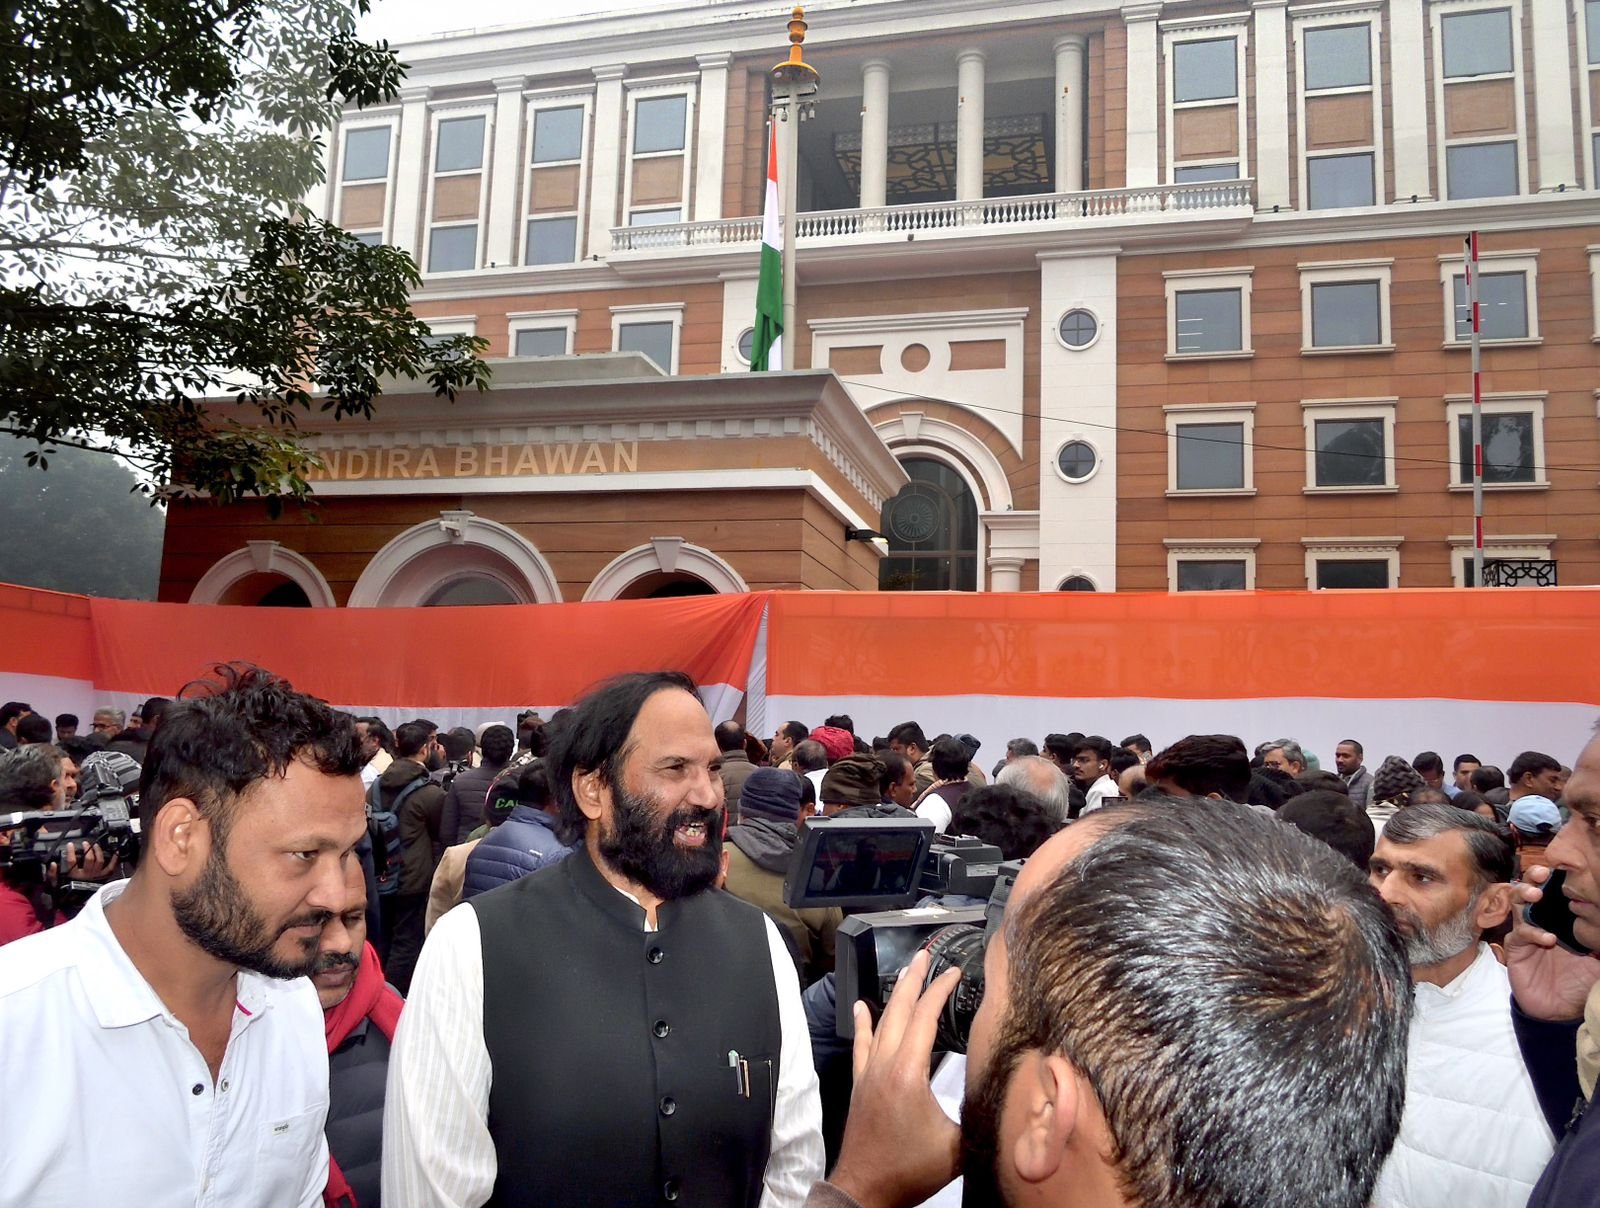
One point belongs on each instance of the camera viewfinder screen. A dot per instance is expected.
(851, 864)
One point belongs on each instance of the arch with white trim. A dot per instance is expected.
(672, 557)
(259, 570)
(427, 558)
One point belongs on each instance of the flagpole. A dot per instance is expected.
(1477, 408)
(794, 85)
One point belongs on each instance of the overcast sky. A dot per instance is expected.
(410, 20)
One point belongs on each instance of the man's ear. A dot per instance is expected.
(589, 788)
(1494, 905)
(180, 837)
(1046, 1096)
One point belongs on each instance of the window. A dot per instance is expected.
(552, 240)
(652, 330)
(1351, 562)
(1351, 572)
(1077, 583)
(1201, 173)
(558, 134)
(366, 154)
(1507, 298)
(1349, 445)
(746, 344)
(932, 527)
(466, 591)
(1210, 320)
(460, 146)
(370, 238)
(1592, 25)
(1076, 461)
(1477, 43)
(652, 339)
(1211, 564)
(453, 249)
(641, 218)
(540, 342)
(1208, 449)
(1345, 313)
(1205, 70)
(1534, 547)
(1208, 313)
(1513, 441)
(658, 124)
(1339, 181)
(1344, 306)
(1338, 56)
(1077, 328)
(1480, 170)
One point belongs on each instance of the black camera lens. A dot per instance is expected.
(958, 946)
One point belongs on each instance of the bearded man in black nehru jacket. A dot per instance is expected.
(613, 1029)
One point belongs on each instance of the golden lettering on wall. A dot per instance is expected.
(479, 461)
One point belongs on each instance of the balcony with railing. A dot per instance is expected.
(1097, 208)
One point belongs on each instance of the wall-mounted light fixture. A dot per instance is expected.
(870, 536)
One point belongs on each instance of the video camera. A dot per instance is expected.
(884, 866)
(36, 839)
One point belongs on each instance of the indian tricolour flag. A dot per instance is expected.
(766, 349)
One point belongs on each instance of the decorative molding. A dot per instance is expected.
(669, 555)
(263, 558)
(417, 562)
(943, 436)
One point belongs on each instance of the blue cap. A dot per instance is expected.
(1535, 815)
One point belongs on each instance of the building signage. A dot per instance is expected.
(479, 461)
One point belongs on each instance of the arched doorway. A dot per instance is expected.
(264, 574)
(470, 590)
(932, 527)
(666, 586)
(458, 559)
(664, 567)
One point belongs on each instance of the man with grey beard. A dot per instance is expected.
(1472, 1135)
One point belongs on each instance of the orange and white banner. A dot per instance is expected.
(456, 666)
(1490, 672)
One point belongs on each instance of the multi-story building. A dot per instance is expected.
(1144, 296)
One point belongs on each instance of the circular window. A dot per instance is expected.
(747, 344)
(1076, 461)
(1077, 583)
(1078, 328)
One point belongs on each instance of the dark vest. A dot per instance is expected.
(610, 1045)
(357, 1070)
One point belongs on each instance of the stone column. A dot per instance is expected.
(1409, 103)
(604, 171)
(1072, 94)
(1272, 104)
(1005, 574)
(874, 133)
(411, 175)
(1144, 116)
(507, 170)
(710, 139)
(969, 125)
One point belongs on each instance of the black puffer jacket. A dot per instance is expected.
(357, 1070)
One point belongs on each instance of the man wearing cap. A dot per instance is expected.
(974, 772)
(1534, 822)
(759, 850)
(1473, 1134)
(852, 788)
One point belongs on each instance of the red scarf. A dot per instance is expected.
(369, 998)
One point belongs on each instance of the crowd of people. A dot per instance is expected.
(553, 962)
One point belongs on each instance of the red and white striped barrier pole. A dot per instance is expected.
(1477, 409)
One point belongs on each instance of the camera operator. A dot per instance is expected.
(172, 1021)
(1183, 1006)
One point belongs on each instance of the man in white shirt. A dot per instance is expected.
(1091, 768)
(376, 748)
(171, 1023)
(554, 1047)
(1473, 1135)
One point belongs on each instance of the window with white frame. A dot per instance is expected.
(652, 330)
(1209, 449)
(1594, 287)
(1340, 109)
(441, 329)
(366, 159)
(1211, 563)
(1206, 122)
(1478, 98)
(457, 195)
(1534, 546)
(557, 182)
(1513, 441)
(660, 122)
(1349, 445)
(547, 333)
(1352, 562)
(1588, 14)
(1208, 313)
(1344, 306)
(1508, 298)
